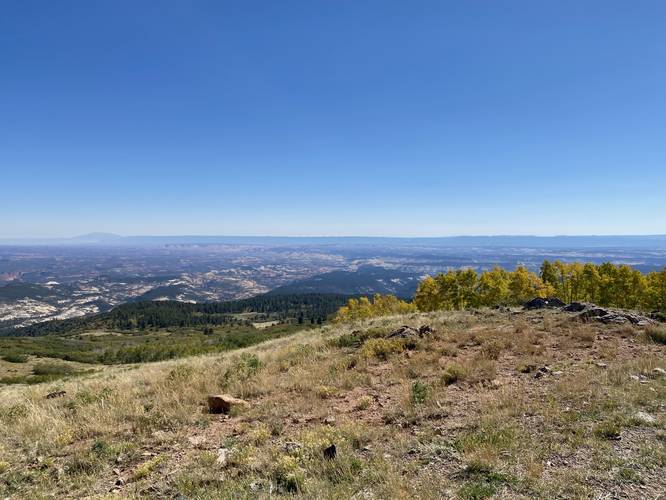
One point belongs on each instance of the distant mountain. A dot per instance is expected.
(366, 280)
(96, 238)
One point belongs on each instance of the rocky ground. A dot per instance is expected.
(504, 403)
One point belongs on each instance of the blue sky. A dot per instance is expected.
(332, 118)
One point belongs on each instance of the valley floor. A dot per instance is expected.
(509, 404)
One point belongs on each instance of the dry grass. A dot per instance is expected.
(461, 413)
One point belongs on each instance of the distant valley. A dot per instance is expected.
(93, 274)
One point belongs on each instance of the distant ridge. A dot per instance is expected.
(569, 242)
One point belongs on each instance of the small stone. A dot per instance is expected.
(223, 403)
(659, 371)
(330, 452)
(645, 418)
(426, 330)
(601, 365)
(116, 472)
(120, 482)
(57, 394)
(330, 420)
(222, 457)
(495, 383)
(558, 373)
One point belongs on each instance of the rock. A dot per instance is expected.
(223, 403)
(120, 482)
(558, 373)
(544, 370)
(222, 457)
(57, 394)
(330, 420)
(645, 418)
(608, 316)
(426, 330)
(404, 332)
(601, 365)
(330, 452)
(575, 307)
(659, 372)
(291, 447)
(196, 441)
(543, 303)
(407, 331)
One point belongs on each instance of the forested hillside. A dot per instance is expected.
(306, 308)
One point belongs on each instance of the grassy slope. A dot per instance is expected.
(403, 426)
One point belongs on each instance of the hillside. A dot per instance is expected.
(470, 404)
(366, 280)
(301, 308)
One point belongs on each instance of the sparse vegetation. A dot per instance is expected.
(479, 408)
(15, 358)
(656, 334)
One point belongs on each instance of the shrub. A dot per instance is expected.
(363, 403)
(180, 373)
(482, 481)
(51, 368)
(480, 370)
(347, 340)
(147, 468)
(453, 373)
(420, 392)
(381, 348)
(324, 392)
(289, 475)
(15, 358)
(491, 349)
(607, 430)
(656, 334)
(13, 413)
(242, 368)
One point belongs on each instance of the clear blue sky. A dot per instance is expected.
(332, 117)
